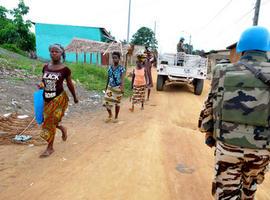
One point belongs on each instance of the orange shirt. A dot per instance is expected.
(139, 77)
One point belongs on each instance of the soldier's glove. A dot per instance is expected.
(210, 140)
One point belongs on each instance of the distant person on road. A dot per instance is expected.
(138, 82)
(114, 88)
(148, 69)
(56, 99)
(236, 116)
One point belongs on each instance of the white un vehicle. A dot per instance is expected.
(182, 68)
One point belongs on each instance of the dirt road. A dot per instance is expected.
(155, 154)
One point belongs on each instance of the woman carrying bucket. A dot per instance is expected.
(55, 98)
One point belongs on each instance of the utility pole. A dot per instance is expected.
(190, 43)
(256, 13)
(128, 29)
(155, 28)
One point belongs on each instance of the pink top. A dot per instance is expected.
(139, 77)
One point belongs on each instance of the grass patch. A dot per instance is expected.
(13, 48)
(13, 60)
(94, 77)
(16, 79)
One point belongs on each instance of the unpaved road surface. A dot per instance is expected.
(155, 154)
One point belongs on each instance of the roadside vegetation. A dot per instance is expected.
(92, 77)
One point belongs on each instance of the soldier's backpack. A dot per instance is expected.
(243, 106)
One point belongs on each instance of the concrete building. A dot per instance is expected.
(47, 34)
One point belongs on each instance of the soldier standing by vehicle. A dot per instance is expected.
(180, 52)
(235, 118)
(180, 45)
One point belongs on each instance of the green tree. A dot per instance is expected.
(199, 52)
(26, 39)
(3, 12)
(189, 48)
(145, 36)
(3, 17)
(16, 31)
(9, 34)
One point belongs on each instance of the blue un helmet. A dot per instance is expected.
(254, 38)
(182, 39)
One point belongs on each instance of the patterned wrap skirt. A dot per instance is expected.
(113, 96)
(138, 94)
(54, 111)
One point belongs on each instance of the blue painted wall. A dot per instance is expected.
(47, 34)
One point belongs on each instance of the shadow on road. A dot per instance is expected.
(179, 87)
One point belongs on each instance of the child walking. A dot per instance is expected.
(138, 83)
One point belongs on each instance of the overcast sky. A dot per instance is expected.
(212, 24)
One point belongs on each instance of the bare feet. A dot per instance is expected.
(108, 120)
(115, 121)
(46, 153)
(64, 132)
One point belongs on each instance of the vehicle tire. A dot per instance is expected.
(160, 82)
(198, 86)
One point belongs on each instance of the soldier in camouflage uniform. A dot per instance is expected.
(236, 118)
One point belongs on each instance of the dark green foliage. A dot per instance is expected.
(146, 37)
(189, 48)
(15, 31)
(3, 13)
(199, 52)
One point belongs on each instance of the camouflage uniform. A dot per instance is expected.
(180, 47)
(237, 114)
